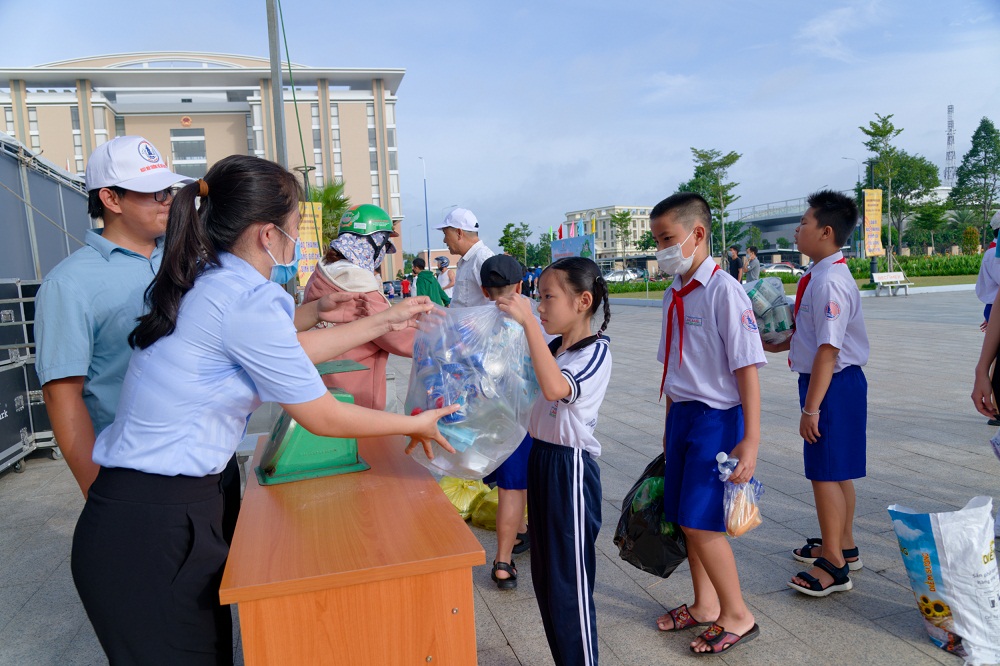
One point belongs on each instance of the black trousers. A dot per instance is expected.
(147, 561)
(564, 517)
(231, 497)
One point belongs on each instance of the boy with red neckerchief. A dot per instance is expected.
(828, 348)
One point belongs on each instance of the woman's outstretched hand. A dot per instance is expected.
(426, 431)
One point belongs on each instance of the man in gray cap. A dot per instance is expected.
(461, 235)
(89, 303)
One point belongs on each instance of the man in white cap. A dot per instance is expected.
(89, 303)
(987, 285)
(461, 235)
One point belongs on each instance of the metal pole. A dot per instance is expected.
(427, 218)
(277, 85)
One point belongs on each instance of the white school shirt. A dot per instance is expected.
(468, 287)
(570, 421)
(988, 281)
(720, 337)
(830, 313)
(187, 398)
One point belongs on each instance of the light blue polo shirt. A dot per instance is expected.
(86, 308)
(187, 397)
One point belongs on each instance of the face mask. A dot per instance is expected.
(283, 273)
(671, 260)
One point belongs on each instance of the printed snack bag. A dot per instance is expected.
(951, 563)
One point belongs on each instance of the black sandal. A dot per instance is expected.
(841, 581)
(524, 545)
(804, 554)
(505, 583)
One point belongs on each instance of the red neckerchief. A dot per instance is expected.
(677, 301)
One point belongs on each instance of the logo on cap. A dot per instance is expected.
(147, 152)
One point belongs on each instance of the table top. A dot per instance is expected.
(387, 522)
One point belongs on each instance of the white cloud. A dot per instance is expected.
(905, 532)
(823, 34)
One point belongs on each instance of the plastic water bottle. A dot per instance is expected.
(727, 465)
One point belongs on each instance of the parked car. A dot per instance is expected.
(626, 275)
(397, 286)
(782, 268)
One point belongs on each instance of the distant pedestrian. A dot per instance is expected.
(752, 273)
(735, 264)
(390, 291)
(405, 287)
(427, 285)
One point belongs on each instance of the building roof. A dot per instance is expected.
(188, 69)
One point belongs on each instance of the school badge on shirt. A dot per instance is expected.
(748, 321)
(832, 310)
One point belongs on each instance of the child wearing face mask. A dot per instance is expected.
(710, 351)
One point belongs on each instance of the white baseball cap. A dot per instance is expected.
(460, 218)
(995, 221)
(131, 163)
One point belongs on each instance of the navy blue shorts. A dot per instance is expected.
(840, 452)
(512, 474)
(695, 434)
(986, 311)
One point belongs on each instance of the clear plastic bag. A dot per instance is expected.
(771, 310)
(741, 501)
(478, 358)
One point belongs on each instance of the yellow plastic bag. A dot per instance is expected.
(464, 494)
(484, 514)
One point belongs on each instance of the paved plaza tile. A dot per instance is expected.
(927, 448)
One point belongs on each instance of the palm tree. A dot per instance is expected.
(334, 203)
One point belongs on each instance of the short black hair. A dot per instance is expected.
(95, 207)
(687, 206)
(835, 210)
(419, 263)
(752, 248)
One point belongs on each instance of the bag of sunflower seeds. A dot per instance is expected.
(951, 563)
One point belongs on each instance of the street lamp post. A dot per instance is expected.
(427, 218)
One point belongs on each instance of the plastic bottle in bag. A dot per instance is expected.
(727, 465)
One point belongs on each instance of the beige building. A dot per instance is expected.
(197, 108)
(606, 250)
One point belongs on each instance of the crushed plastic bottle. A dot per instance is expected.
(727, 465)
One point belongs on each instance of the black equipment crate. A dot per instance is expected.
(15, 417)
(13, 333)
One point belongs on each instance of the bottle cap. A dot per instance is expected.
(721, 457)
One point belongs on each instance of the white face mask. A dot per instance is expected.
(671, 260)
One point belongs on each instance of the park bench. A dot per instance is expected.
(892, 282)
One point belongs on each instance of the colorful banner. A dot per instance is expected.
(310, 233)
(578, 246)
(873, 223)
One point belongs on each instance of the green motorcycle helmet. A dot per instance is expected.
(365, 220)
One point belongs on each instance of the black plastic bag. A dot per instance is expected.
(644, 539)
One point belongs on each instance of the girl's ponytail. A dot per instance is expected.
(602, 293)
(186, 251)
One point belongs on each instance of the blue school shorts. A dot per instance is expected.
(840, 452)
(695, 434)
(512, 474)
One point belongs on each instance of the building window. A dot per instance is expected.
(338, 169)
(251, 148)
(119, 126)
(258, 130)
(8, 116)
(188, 148)
(36, 141)
(317, 145)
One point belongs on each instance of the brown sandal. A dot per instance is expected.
(682, 619)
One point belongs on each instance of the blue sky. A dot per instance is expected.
(526, 111)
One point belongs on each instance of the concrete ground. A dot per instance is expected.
(927, 448)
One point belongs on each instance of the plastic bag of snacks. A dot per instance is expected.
(485, 513)
(741, 501)
(478, 358)
(464, 494)
(644, 538)
(951, 563)
(773, 314)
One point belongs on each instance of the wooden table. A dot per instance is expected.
(373, 567)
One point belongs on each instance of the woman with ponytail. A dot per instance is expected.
(564, 481)
(219, 338)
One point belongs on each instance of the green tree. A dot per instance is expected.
(764, 244)
(711, 172)
(754, 236)
(929, 218)
(915, 178)
(970, 240)
(540, 253)
(408, 258)
(335, 204)
(646, 241)
(782, 242)
(621, 231)
(880, 133)
(514, 240)
(977, 180)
